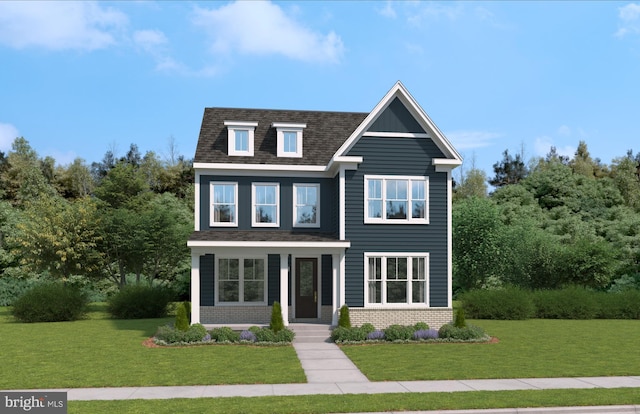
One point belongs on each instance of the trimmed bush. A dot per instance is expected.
(277, 323)
(367, 328)
(398, 333)
(50, 302)
(425, 334)
(342, 334)
(194, 334)
(344, 319)
(285, 335)
(467, 333)
(265, 335)
(376, 335)
(421, 326)
(247, 336)
(182, 320)
(623, 305)
(140, 301)
(224, 334)
(506, 304)
(568, 303)
(460, 321)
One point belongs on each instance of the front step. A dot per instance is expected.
(311, 333)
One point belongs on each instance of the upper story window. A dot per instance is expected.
(396, 199)
(306, 205)
(224, 204)
(240, 137)
(266, 205)
(289, 139)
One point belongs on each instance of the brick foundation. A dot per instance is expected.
(382, 318)
(258, 315)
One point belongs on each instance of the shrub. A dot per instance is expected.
(376, 335)
(224, 334)
(247, 336)
(568, 303)
(170, 335)
(344, 320)
(510, 303)
(398, 333)
(277, 323)
(460, 321)
(367, 328)
(342, 334)
(285, 335)
(12, 288)
(449, 331)
(195, 333)
(622, 305)
(50, 302)
(139, 301)
(424, 334)
(421, 326)
(264, 334)
(182, 320)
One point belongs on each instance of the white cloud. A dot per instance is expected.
(262, 28)
(464, 140)
(149, 40)
(434, 11)
(388, 10)
(59, 25)
(8, 133)
(542, 145)
(629, 23)
(564, 131)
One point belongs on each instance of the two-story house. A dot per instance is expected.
(320, 209)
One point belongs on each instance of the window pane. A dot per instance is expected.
(265, 214)
(397, 268)
(375, 209)
(242, 140)
(417, 190)
(229, 286)
(306, 204)
(418, 210)
(306, 215)
(396, 292)
(223, 214)
(266, 203)
(418, 268)
(375, 189)
(418, 292)
(396, 209)
(253, 291)
(375, 268)
(229, 291)
(375, 292)
(290, 142)
(224, 207)
(306, 278)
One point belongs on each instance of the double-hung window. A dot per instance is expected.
(396, 278)
(241, 280)
(396, 199)
(289, 139)
(266, 205)
(306, 205)
(240, 138)
(224, 204)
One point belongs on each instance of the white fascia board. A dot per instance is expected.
(288, 125)
(348, 162)
(398, 90)
(257, 167)
(240, 123)
(446, 164)
(270, 244)
(396, 134)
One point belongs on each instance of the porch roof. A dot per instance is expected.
(248, 238)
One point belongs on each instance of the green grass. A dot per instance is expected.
(366, 403)
(102, 352)
(527, 349)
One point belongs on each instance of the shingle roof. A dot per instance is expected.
(258, 236)
(324, 134)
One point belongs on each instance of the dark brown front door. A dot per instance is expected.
(306, 288)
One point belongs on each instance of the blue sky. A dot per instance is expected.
(80, 78)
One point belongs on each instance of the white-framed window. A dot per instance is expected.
(265, 208)
(306, 205)
(396, 199)
(240, 137)
(224, 204)
(396, 279)
(241, 280)
(289, 137)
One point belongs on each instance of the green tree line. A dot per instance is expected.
(550, 223)
(127, 216)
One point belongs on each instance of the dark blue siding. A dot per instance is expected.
(328, 202)
(327, 279)
(206, 279)
(396, 118)
(396, 156)
(273, 278)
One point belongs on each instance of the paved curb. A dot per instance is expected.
(608, 409)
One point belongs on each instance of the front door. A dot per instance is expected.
(306, 287)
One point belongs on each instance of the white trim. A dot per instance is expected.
(254, 221)
(195, 287)
(342, 204)
(271, 244)
(281, 129)
(295, 204)
(288, 125)
(232, 127)
(212, 222)
(335, 286)
(284, 286)
(396, 134)
(216, 167)
(384, 256)
(409, 213)
(241, 258)
(445, 164)
(196, 215)
(449, 240)
(398, 90)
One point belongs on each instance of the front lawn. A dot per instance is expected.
(102, 352)
(527, 349)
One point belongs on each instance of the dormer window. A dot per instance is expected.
(240, 137)
(289, 139)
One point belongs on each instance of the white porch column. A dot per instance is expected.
(342, 279)
(336, 281)
(284, 287)
(195, 287)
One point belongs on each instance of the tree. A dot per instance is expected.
(472, 184)
(121, 184)
(511, 170)
(625, 172)
(582, 163)
(59, 237)
(75, 180)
